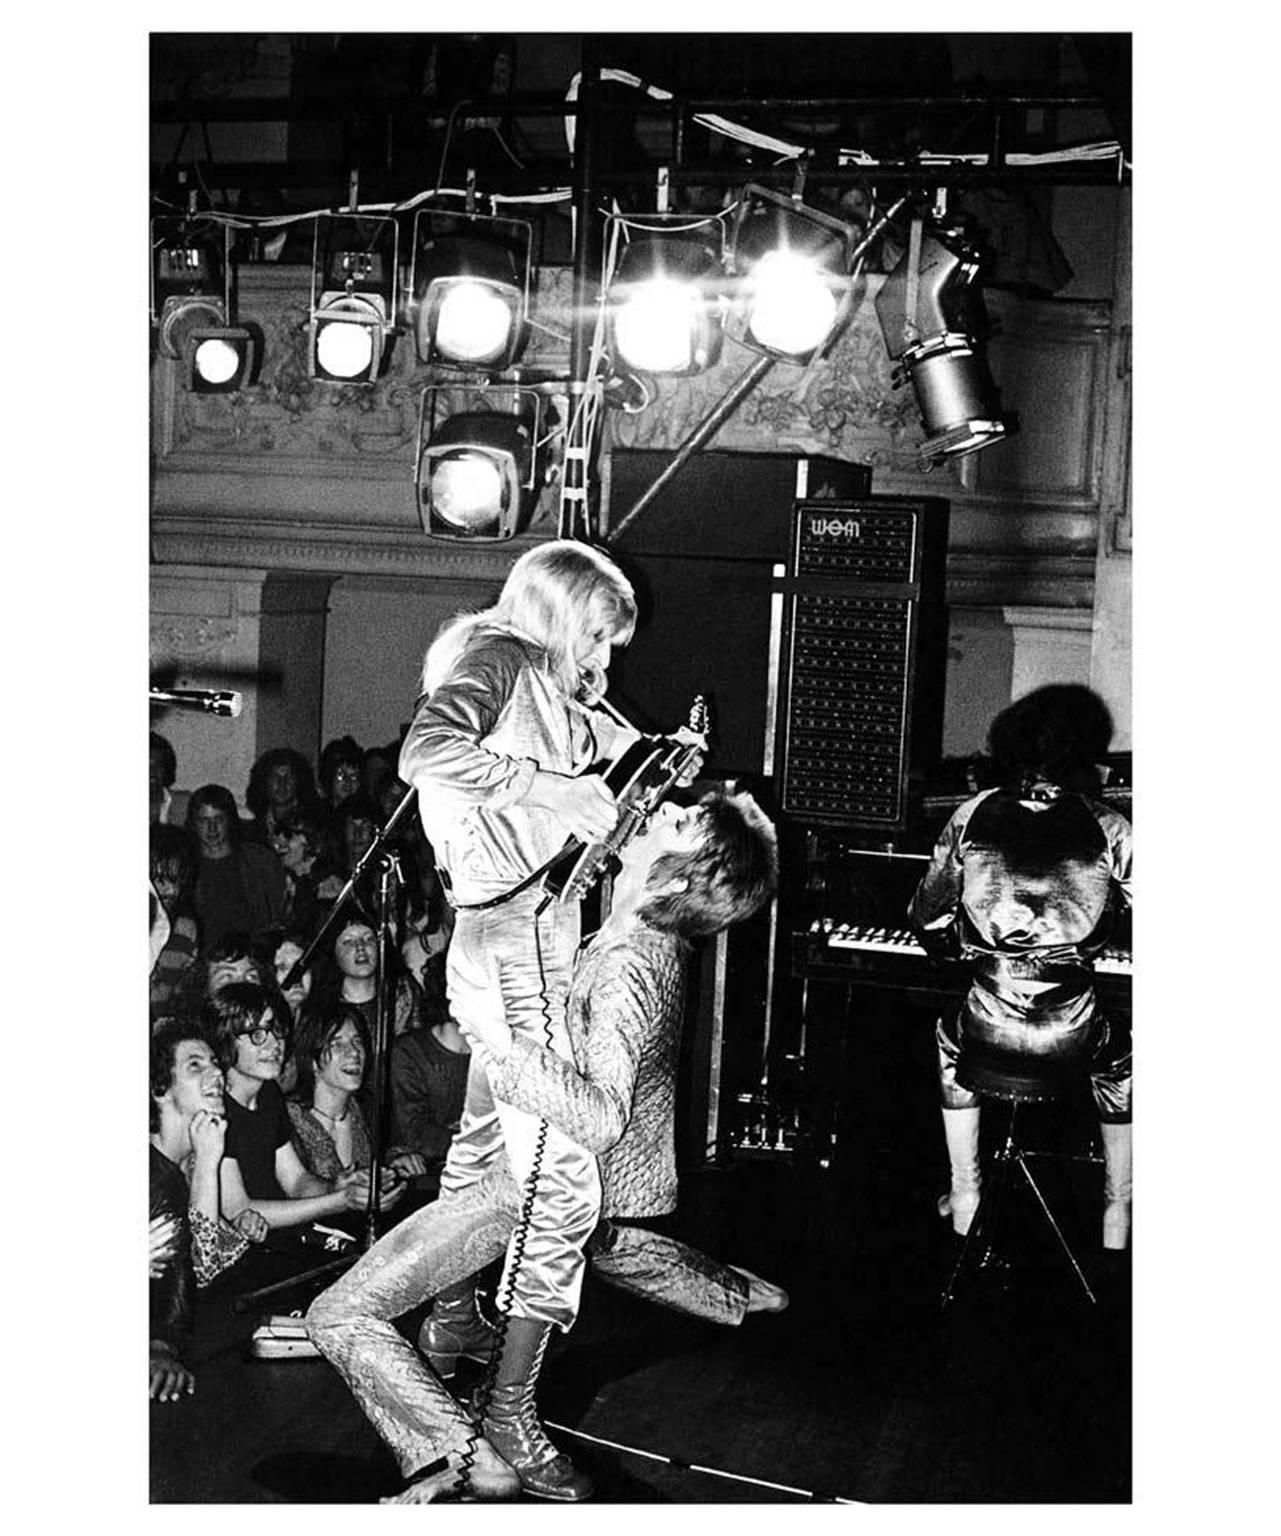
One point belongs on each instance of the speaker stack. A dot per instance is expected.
(811, 613)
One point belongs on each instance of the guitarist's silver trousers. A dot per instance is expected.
(505, 963)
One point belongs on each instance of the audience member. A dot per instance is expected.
(239, 886)
(330, 1130)
(173, 869)
(280, 787)
(378, 770)
(261, 1168)
(340, 766)
(187, 1131)
(349, 974)
(428, 1072)
(168, 808)
(302, 843)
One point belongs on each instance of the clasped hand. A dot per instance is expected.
(354, 1185)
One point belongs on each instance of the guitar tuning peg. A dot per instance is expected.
(698, 714)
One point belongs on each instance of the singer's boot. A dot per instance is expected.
(511, 1419)
(961, 1129)
(455, 1330)
(1117, 1182)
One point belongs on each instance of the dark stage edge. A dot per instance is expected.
(863, 1390)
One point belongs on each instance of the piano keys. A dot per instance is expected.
(866, 954)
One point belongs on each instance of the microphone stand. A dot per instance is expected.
(389, 878)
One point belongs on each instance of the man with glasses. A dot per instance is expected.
(261, 1168)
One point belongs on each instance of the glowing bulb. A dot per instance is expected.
(473, 322)
(344, 350)
(654, 326)
(466, 488)
(794, 305)
(216, 361)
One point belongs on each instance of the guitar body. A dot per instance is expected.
(640, 780)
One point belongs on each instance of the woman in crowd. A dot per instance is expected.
(340, 767)
(331, 1049)
(280, 787)
(261, 1168)
(239, 886)
(187, 1136)
(349, 975)
(173, 868)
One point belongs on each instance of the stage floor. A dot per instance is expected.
(863, 1390)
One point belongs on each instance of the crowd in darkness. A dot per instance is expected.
(262, 1094)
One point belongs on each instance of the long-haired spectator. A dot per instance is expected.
(332, 1050)
(173, 873)
(281, 785)
(239, 886)
(348, 973)
(341, 762)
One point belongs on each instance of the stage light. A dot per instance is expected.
(353, 296)
(792, 290)
(932, 318)
(191, 304)
(665, 305)
(220, 359)
(479, 469)
(470, 279)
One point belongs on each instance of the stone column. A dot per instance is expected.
(1051, 645)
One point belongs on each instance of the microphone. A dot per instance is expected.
(213, 701)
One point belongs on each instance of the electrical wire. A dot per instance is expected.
(690, 1466)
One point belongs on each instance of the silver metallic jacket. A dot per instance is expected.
(472, 752)
(625, 1013)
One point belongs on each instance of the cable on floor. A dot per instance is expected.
(689, 1466)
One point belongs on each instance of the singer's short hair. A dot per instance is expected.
(731, 873)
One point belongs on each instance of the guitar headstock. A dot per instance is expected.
(699, 716)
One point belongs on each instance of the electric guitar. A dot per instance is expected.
(640, 779)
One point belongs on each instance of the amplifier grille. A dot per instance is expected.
(847, 713)
(857, 543)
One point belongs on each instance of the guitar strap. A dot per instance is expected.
(497, 901)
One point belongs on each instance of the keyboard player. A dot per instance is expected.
(1023, 883)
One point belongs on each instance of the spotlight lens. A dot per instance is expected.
(473, 323)
(216, 361)
(793, 303)
(654, 327)
(466, 489)
(344, 350)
